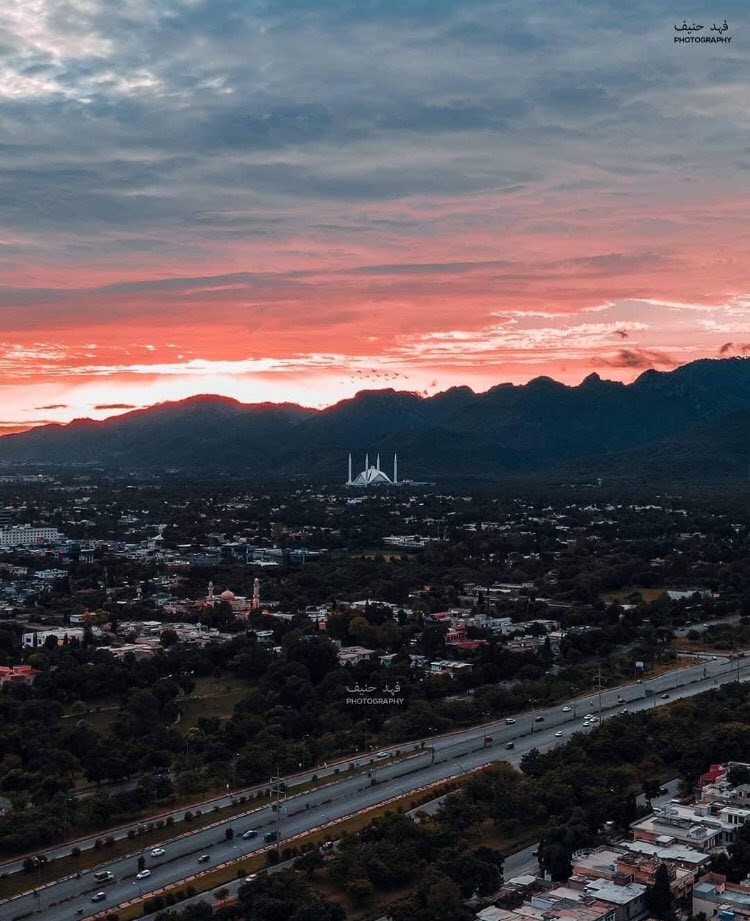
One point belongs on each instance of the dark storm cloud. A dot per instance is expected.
(138, 117)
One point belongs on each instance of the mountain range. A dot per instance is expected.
(692, 423)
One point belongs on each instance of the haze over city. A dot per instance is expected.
(298, 201)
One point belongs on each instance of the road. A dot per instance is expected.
(443, 757)
(520, 863)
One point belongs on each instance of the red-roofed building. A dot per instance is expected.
(715, 772)
(469, 645)
(17, 674)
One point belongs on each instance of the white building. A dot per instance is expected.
(24, 536)
(353, 655)
(373, 475)
(63, 635)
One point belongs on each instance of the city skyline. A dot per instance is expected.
(298, 204)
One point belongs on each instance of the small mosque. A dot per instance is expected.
(239, 604)
(373, 475)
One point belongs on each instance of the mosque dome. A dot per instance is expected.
(372, 477)
(226, 596)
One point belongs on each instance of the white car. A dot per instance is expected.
(249, 879)
(383, 755)
(558, 734)
(144, 874)
(509, 721)
(566, 709)
(157, 852)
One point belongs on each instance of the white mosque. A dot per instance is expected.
(373, 475)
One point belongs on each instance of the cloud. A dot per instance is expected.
(115, 406)
(403, 183)
(638, 358)
(733, 348)
(53, 406)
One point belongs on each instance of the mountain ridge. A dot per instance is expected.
(506, 430)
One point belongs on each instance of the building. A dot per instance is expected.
(407, 541)
(626, 899)
(373, 475)
(26, 536)
(713, 897)
(63, 635)
(17, 674)
(621, 862)
(353, 655)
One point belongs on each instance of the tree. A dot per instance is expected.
(659, 896)
(141, 862)
(444, 901)
(309, 862)
(168, 638)
(360, 891)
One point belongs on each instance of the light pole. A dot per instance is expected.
(599, 682)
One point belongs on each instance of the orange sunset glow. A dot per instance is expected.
(295, 202)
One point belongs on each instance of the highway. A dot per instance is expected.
(442, 757)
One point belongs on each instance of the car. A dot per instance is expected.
(157, 852)
(487, 740)
(249, 879)
(624, 710)
(538, 719)
(558, 734)
(509, 721)
(143, 874)
(510, 745)
(665, 696)
(326, 846)
(99, 897)
(383, 755)
(250, 833)
(204, 858)
(270, 836)
(566, 709)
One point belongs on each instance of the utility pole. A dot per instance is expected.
(276, 790)
(598, 683)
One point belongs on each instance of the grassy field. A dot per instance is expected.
(211, 697)
(648, 594)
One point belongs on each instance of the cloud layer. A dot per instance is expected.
(281, 201)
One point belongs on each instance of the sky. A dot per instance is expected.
(300, 199)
